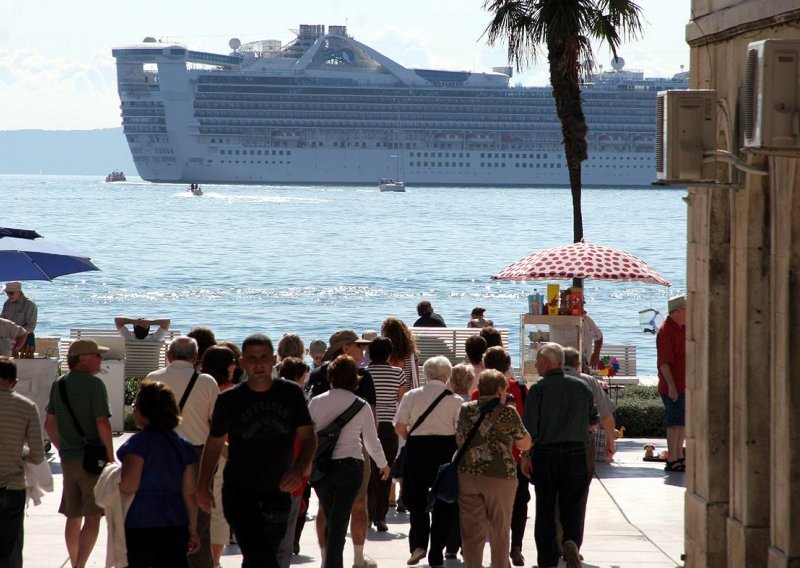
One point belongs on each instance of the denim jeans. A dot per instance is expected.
(337, 491)
(12, 514)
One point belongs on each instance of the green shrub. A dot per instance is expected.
(131, 389)
(641, 412)
(128, 424)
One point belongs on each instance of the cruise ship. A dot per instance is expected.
(325, 108)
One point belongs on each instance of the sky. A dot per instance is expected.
(57, 72)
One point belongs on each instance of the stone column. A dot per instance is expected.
(748, 523)
(707, 375)
(784, 551)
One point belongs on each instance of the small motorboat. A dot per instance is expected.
(389, 184)
(116, 176)
(195, 189)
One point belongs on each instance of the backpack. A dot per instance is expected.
(327, 439)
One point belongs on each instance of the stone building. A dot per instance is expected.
(743, 416)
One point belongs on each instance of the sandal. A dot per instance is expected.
(676, 465)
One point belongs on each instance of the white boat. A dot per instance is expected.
(326, 108)
(195, 190)
(388, 184)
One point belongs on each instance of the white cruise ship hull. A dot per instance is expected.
(327, 109)
(323, 166)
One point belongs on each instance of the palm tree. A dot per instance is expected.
(566, 28)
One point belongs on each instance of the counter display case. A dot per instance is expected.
(535, 330)
(35, 377)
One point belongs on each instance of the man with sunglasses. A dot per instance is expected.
(20, 309)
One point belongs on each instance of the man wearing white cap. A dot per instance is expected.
(20, 309)
(671, 359)
(78, 415)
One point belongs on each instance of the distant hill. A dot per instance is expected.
(81, 152)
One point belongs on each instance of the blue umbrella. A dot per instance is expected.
(23, 259)
(19, 233)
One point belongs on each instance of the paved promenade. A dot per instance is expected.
(634, 519)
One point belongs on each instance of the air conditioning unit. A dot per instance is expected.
(771, 94)
(686, 125)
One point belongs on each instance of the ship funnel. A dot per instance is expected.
(507, 71)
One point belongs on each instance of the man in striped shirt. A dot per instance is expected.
(22, 441)
(559, 414)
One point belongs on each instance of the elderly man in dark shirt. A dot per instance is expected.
(559, 414)
(427, 317)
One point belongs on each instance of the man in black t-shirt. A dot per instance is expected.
(261, 418)
(427, 317)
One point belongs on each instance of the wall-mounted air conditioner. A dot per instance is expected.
(686, 128)
(771, 94)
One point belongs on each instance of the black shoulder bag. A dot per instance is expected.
(326, 441)
(399, 465)
(94, 455)
(445, 486)
(188, 391)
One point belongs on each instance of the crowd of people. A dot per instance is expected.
(233, 440)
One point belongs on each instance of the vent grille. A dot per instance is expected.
(749, 94)
(660, 133)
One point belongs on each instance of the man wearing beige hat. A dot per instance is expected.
(20, 309)
(78, 415)
(671, 359)
(347, 342)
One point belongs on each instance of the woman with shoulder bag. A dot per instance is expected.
(338, 486)
(159, 467)
(487, 472)
(427, 418)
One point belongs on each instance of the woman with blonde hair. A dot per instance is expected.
(461, 380)
(487, 472)
(404, 350)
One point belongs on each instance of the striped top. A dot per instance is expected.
(388, 381)
(559, 409)
(19, 423)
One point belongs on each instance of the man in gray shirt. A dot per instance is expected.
(605, 408)
(559, 413)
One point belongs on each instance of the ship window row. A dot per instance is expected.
(142, 104)
(364, 114)
(240, 125)
(255, 152)
(144, 129)
(236, 84)
(438, 154)
(440, 164)
(291, 103)
(251, 162)
(521, 165)
(503, 155)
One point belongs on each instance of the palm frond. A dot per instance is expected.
(512, 21)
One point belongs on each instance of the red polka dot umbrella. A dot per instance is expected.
(582, 260)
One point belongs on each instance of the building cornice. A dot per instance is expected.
(740, 19)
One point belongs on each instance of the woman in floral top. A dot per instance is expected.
(487, 473)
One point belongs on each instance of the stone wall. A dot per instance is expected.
(743, 441)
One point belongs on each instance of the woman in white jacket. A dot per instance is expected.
(338, 487)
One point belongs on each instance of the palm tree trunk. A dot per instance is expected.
(564, 67)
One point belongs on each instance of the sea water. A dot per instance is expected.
(315, 259)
